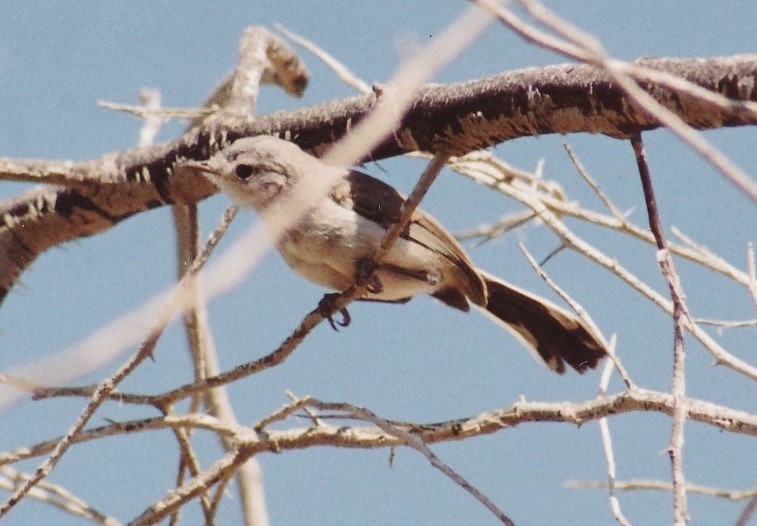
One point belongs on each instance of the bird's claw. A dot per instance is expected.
(326, 308)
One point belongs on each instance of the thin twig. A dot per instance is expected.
(752, 272)
(727, 324)
(103, 390)
(221, 470)
(748, 512)
(188, 460)
(679, 357)
(262, 58)
(495, 174)
(187, 228)
(315, 317)
(315, 418)
(98, 397)
(283, 413)
(162, 114)
(604, 430)
(418, 444)
(342, 71)
(663, 485)
(501, 227)
(57, 496)
(538, 204)
(588, 179)
(580, 311)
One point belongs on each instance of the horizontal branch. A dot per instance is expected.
(259, 440)
(663, 485)
(567, 98)
(461, 117)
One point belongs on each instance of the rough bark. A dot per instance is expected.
(462, 117)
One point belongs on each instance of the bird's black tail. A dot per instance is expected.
(556, 335)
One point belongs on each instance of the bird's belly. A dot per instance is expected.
(325, 248)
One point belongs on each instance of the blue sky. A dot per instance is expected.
(421, 361)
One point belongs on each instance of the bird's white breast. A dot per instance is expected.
(326, 245)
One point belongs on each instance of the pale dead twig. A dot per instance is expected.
(580, 311)
(663, 485)
(338, 67)
(390, 108)
(412, 440)
(495, 173)
(589, 180)
(57, 496)
(752, 272)
(188, 232)
(604, 430)
(521, 413)
(538, 204)
(162, 114)
(262, 58)
(103, 389)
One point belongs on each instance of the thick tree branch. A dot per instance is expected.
(459, 117)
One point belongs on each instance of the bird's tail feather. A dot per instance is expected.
(556, 335)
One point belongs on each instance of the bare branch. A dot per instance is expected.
(416, 443)
(338, 67)
(604, 430)
(578, 45)
(662, 485)
(680, 312)
(494, 421)
(606, 96)
(538, 204)
(461, 117)
(102, 391)
(57, 496)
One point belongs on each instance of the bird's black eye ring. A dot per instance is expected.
(244, 171)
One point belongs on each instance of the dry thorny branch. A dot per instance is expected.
(601, 96)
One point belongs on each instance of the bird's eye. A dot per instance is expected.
(244, 171)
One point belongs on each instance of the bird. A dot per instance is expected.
(336, 234)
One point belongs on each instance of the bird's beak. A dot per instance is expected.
(203, 167)
(193, 168)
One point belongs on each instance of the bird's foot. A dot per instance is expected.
(326, 309)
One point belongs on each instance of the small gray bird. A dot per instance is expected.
(329, 242)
